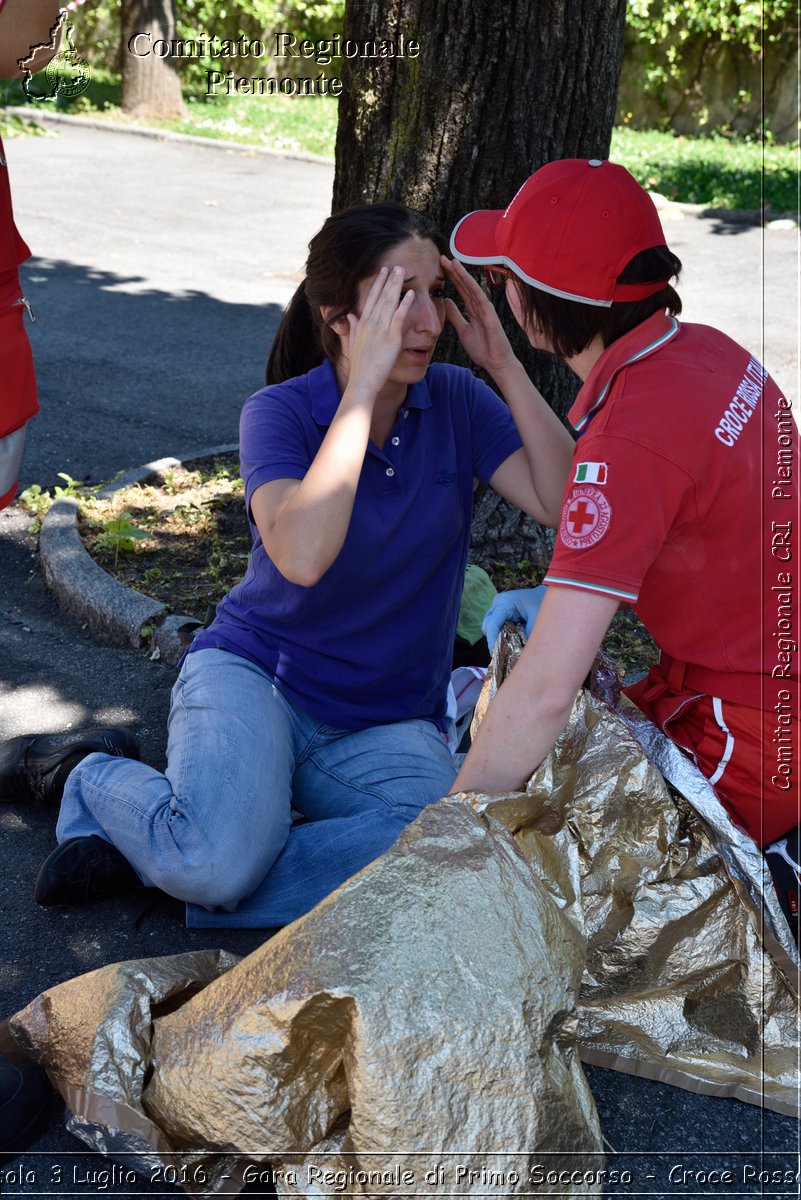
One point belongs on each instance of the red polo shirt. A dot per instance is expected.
(18, 401)
(13, 250)
(684, 493)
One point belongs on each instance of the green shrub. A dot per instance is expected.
(722, 172)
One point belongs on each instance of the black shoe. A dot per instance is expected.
(24, 1098)
(83, 869)
(784, 860)
(34, 769)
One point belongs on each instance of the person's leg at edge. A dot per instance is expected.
(358, 790)
(210, 827)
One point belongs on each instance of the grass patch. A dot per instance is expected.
(718, 171)
(297, 124)
(184, 539)
(290, 124)
(12, 126)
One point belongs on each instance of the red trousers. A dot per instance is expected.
(750, 757)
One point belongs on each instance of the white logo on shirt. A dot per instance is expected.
(742, 404)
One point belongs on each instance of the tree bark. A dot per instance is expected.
(151, 85)
(499, 88)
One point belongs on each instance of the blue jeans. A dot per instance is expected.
(214, 829)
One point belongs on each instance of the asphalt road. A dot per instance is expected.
(162, 267)
(161, 271)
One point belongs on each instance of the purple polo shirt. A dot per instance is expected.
(372, 641)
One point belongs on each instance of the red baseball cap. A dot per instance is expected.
(571, 229)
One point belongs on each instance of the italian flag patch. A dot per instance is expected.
(590, 473)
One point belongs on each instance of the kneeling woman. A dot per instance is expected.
(672, 495)
(321, 685)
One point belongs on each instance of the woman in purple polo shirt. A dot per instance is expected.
(321, 685)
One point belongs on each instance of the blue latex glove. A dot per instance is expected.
(523, 604)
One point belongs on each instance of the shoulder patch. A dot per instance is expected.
(586, 516)
(591, 472)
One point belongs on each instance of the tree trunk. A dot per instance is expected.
(151, 84)
(499, 88)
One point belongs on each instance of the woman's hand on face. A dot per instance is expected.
(479, 330)
(376, 337)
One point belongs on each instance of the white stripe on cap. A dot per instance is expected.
(501, 260)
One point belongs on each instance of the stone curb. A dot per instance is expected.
(113, 612)
(739, 216)
(163, 135)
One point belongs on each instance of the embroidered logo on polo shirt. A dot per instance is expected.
(445, 477)
(590, 472)
(585, 517)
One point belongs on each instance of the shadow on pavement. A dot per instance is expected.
(128, 374)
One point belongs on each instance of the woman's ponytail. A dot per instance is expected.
(296, 346)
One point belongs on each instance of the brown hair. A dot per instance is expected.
(346, 251)
(570, 326)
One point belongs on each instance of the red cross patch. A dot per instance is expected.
(585, 517)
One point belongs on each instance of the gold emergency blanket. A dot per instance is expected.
(423, 1018)
(415, 1024)
(691, 973)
